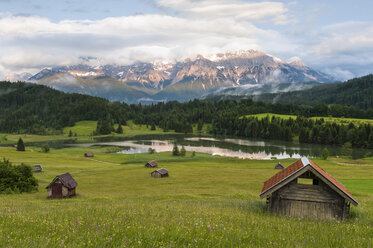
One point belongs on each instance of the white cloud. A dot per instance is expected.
(186, 28)
(274, 12)
(33, 42)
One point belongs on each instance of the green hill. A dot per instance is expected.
(34, 108)
(356, 92)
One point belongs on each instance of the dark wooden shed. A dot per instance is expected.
(303, 189)
(62, 186)
(151, 164)
(279, 166)
(88, 155)
(38, 168)
(160, 173)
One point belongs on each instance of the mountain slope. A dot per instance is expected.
(106, 87)
(178, 81)
(245, 91)
(356, 92)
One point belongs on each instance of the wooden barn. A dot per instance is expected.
(279, 166)
(160, 173)
(151, 164)
(303, 189)
(62, 186)
(88, 155)
(38, 168)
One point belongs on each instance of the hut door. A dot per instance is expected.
(57, 190)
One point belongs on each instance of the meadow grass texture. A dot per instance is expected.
(208, 201)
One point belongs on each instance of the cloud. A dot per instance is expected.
(347, 45)
(182, 29)
(34, 42)
(273, 12)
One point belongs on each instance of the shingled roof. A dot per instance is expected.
(66, 179)
(162, 171)
(153, 163)
(299, 167)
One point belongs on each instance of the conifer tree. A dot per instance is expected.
(182, 151)
(20, 145)
(175, 150)
(119, 129)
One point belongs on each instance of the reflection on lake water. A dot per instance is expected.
(231, 147)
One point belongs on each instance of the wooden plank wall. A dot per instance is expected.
(312, 201)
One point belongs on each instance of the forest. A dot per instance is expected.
(37, 109)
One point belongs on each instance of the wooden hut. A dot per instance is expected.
(37, 168)
(160, 173)
(62, 186)
(303, 189)
(88, 155)
(151, 164)
(279, 166)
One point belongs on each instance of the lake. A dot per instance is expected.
(221, 146)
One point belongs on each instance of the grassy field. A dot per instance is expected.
(329, 119)
(208, 201)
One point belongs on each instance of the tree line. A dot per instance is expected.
(31, 108)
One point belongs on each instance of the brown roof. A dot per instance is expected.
(66, 179)
(153, 163)
(162, 171)
(297, 166)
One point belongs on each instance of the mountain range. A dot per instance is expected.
(182, 81)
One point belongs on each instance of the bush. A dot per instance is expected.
(16, 178)
(151, 150)
(45, 148)
(325, 154)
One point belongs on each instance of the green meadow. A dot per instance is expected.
(339, 120)
(207, 201)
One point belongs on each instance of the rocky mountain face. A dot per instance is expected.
(181, 80)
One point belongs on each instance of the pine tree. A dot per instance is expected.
(119, 129)
(182, 151)
(20, 145)
(175, 150)
(200, 125)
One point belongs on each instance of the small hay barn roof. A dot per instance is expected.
(153, 163)
(279, 166)
(297, 168)
(66, 179)
(162, 171)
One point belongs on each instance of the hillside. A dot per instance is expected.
(32, 108)
(356, 92)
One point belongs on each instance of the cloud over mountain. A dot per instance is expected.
(181, 29)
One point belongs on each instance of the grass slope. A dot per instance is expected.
(207, 201)
(328, 119)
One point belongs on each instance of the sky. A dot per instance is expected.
(335, 36)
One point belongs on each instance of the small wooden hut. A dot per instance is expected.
(279, 166)
(303, 189)
(160, 173)
(88, 155)
(62, 186)
(151, 164)
(37, 168)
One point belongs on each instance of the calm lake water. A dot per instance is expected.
(231, 147)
